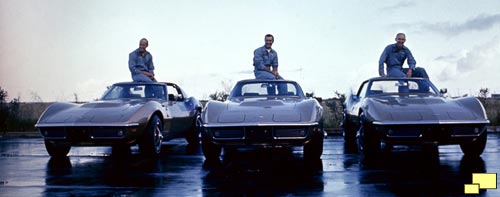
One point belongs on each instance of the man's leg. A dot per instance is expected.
(423, 87)
(263, 75)
(395, 71)
(141, 78)
(420, 72)
(282, 87)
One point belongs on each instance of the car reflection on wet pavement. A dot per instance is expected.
(181, 170)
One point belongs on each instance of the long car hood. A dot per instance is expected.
(264, 111)
(421, 109)
(96, 112)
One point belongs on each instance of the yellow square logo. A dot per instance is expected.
(485, 180)
(471, 188)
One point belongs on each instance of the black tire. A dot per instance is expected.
(476, 148)
(193, 134)
(150, 144)
(368, 140)
(348, 130)
(57, 150)
(210, 150)
(314, 148)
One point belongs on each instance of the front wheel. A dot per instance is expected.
(210, 150)
(56, 150)
(314, 148)
(193, 134)
(476, 148)
(348, 130)
(368, 140)
(150, 144)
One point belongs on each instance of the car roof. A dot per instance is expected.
(265, 80)
(142, 83)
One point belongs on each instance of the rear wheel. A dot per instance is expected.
(368, 140)
(56, 150)
(210, 150)
(193, 134)
(476, 148)
(150, 144)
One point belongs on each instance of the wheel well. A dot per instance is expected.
(158, 113)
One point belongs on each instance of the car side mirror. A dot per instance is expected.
(443, 91)
(179, 97)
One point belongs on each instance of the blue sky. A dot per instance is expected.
(54, 49)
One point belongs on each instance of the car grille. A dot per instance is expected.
(431, 132)
(83, 133)
(259, 133)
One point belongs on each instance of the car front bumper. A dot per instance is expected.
(262, 136)
(438, 134)
(91, 135)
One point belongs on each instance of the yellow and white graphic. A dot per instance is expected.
(481, 181)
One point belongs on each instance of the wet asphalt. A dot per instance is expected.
(181, 170)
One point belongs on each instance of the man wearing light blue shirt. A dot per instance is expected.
(394, 56)
(140, 63)
(265, 62)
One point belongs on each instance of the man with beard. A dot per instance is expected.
(394, 56)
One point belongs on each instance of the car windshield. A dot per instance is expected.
(267, 89)
(135, 91)
(402, 86)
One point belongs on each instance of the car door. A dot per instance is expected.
(182, 117)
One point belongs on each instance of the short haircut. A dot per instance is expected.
(147, 42)
(400, 34)
(269, 35)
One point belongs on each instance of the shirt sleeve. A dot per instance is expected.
(411, 60)
(275, 59)
(258, 61)
(131, 63)
(382, 60)
(151, 66)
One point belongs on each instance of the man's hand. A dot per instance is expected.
(151, 76)
(409, 73)
(275, 73)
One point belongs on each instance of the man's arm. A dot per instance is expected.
(131, 63)
(275, 64)
(258, 61)
(411, 60)
(151, 67)
(381, 62)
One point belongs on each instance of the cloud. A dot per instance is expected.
(472, 69)
(401, 4)
(446, 57)
(478, 23)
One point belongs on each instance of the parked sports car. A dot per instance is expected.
(263, 113)
(128, 113)
(412, 111)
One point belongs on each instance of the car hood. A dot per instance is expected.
(262, 112)
(96, 112)
(419, 109)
